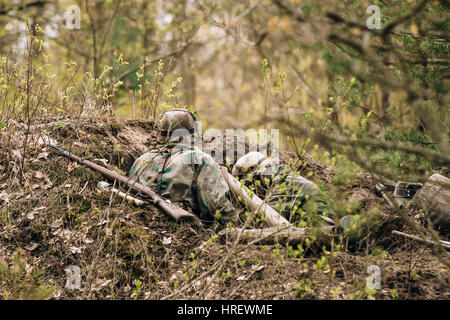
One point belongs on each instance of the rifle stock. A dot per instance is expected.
(176, 213)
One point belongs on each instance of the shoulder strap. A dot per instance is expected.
(166, 153)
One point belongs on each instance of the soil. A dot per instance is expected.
(53, 217)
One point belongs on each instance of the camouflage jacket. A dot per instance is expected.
(189, 177)
(293, 195)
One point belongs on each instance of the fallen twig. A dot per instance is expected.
(443, 243)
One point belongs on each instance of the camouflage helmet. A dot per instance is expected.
(173, 120)
(247, 163)
(268, 167)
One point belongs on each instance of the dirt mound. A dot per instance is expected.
(55, 228)
(235, 144)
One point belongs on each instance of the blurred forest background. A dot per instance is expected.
(312, 69)
(361, 86)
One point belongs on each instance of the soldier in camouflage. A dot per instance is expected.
(182, 173)
(292, 195)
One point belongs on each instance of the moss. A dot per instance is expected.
(115, 127)
(63, 131)
(93, 139)
(95, 211)
(78, 172)
(37, 230)
(131, 239)
(69, 214)
(83, 205)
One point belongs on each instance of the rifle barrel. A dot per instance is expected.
(176, 213)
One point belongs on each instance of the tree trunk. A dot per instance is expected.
(434, 199)
(189, 81)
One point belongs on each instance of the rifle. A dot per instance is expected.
(176, 213)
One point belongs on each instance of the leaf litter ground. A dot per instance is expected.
(53, 217)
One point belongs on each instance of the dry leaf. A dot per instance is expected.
(32, 246)
(177, 276)
(99, 284)
(16, 155)
(72, 166)
(75, 250)
(39, 175)
(45, 140)
(57, 223)
(256, 268)
(104, 161)
(42, 155)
